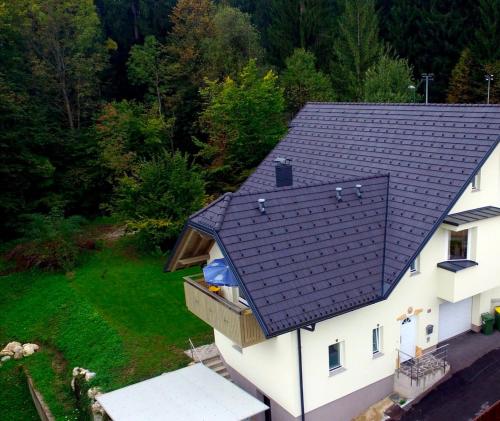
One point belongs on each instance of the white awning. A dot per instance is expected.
(194, 393)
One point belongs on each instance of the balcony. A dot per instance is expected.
(234, 320)
(458, 279)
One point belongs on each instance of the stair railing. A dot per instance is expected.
(194, 352)
(416, 364)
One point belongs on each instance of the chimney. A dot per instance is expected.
(284, 172)
(338, 193)
(262, 205)
(358, 191)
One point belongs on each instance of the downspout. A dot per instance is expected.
(301, 381)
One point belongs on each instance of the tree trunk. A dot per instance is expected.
(135, 12)
(158, 95)
(67, 105)
(302, 9)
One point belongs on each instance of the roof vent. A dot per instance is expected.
(262, 205)
(284, 172)
(338, 191)
(359, 193)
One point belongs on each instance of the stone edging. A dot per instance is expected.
(40, 405)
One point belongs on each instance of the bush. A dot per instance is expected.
(156, 200)
(49, 242)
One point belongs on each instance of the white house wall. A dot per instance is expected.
(488, 193)
(272, 365)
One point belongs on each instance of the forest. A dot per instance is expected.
(146, 110)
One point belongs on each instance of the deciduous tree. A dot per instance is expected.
(67, 53)
(157, 197)
(234, 41)
(302, 82)
(389, 81)
(243, 119)
(147, 67)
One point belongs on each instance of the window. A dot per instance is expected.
(415, 265)
(376, 340)
(458, 245)
(334, 357)
(476, 181)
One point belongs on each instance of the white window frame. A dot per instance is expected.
(469, 244)
(476, 181)
(378, 331)
(340, 367)
(415, 266)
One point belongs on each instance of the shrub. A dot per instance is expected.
(156, 200)
(49, 242)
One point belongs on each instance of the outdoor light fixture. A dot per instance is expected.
(412, 88)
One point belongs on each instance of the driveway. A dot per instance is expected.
(465, 395)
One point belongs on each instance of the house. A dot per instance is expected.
(366, 238)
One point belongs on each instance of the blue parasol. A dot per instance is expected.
(217, 272)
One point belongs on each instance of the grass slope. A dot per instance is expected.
(117, 315)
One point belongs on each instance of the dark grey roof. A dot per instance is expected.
(456, 265)
(465, 217)
(212, 215)
(427, 154)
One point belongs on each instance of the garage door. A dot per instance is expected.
(454, 318)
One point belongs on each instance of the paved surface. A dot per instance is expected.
(465, 395)
(469, 347)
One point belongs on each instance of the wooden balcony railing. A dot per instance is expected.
(235, 321)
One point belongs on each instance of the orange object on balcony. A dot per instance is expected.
(213, 288)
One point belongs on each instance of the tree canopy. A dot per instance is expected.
(94, 91)
(302, 82)
(389, 80)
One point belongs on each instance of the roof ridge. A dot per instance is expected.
(410, 104)
(226, 200)
(211, 204)
(326, 183)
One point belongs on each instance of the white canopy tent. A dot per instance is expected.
(194, 393)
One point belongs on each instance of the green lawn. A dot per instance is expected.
(117, 314)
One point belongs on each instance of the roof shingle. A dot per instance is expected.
(309, 257)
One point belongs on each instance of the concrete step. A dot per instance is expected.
(214, 364)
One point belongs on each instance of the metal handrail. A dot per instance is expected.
(194, 352)
(415, 363)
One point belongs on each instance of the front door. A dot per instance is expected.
(408, 338)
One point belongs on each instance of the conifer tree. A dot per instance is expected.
(356, 49)
(307, 24)
(464, 83)
(487, 36)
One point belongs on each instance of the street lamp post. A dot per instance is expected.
(488, 79)
(428, 77)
